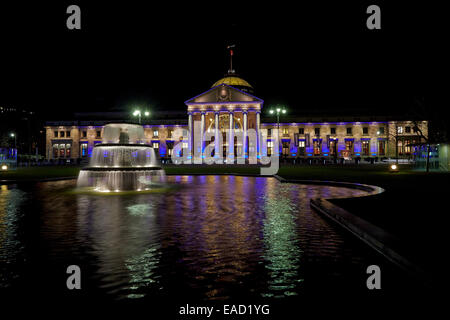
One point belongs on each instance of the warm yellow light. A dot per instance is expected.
(394, 167)
(4, 167)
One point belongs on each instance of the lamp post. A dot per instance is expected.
(138, 113)
(13, 135)
(278, 110)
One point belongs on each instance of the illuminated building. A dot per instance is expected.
(230, 107)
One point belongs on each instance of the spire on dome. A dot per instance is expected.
(230, 47)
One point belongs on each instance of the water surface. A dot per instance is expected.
(212, 239)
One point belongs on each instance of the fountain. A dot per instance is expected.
(122, 162)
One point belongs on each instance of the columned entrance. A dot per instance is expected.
(224, 109)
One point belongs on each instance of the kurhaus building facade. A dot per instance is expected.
(231, 119)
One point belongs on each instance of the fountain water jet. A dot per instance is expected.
(122, 162)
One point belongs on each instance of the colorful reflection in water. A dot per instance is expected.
(215, 238)
(11, 248)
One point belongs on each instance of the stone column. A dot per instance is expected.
(244, 138)
(216, 135)
(231, 138)
(191, 134)
(258, 138)
(202, 132)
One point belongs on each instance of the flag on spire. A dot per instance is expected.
(230, 47)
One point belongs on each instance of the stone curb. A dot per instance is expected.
(380, 240)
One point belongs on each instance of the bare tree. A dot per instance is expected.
(426, 138)
(437, 125)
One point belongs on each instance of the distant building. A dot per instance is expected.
(230, 105)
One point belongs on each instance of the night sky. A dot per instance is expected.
(315, 56)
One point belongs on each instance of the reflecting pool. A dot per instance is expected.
(211, 238)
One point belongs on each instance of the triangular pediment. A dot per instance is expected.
(223, 93)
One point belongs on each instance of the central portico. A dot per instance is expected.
(226, 116)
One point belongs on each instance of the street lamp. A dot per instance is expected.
(278, 110)
(138, 113)
(13, 135)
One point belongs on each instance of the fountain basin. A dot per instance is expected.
(122, 162)
(120, 179)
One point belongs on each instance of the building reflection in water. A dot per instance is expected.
(11, 248)
(217, 234)
(282, 249)
(214, 237)
(124, 235)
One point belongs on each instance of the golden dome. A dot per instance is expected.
(232, 81)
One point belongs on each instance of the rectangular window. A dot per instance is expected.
(62, 151)
(84, 134)
(55, 134)
(301, 147)
(269, 132)
(285, 149)
(317, 147)
(155, 133)
(381, 130)
(317, 131)
(349, 146)
(301, 131)
(68, 149)
(61, 134)
(349, 130)
(407, 129)
(55, 150)
(99, 134)
(400, 147)
(365, 130)
(399, 130)
(84, 148)
(381, 148)
(155, 145)
(365, 147)
(269, 148)
(285, 131)
(68, 134)
(332, 147)
(407, 146)
(169, 133)
(332, 130)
